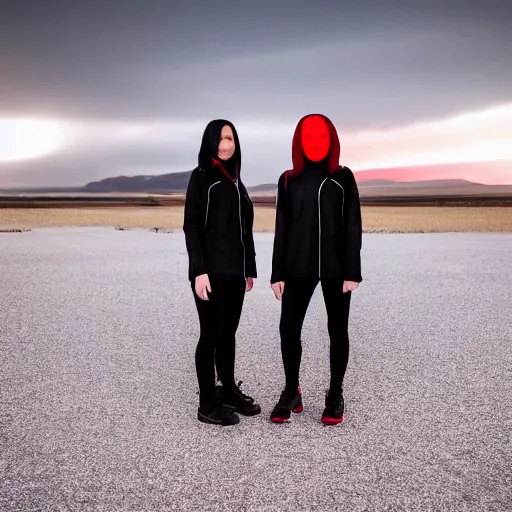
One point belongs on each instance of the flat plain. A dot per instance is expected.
(98, 388)
(386, 219)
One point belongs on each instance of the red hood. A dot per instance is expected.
(298, 152)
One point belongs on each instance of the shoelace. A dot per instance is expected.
(239, 392)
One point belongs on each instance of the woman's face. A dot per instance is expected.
(227, 143)
(315, 138)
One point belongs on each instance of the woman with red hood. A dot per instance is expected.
(318, 238)
(218, 228)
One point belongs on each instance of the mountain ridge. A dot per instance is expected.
(366, 180)
(458, 179)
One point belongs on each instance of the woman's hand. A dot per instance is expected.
(349, 286)
(249, 284)
(278, 289)
(202, 286)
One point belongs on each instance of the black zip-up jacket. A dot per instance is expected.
(218, 226)
(318, 229)
(309, 244)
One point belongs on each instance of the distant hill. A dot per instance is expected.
(434, 188)
(415, 180)
(368, 185)
(372, 188)
(465, 178)
(263, 188)
(172, 182)
(476, 172)
(439, 183)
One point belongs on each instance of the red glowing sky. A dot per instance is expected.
(474, 146)
(487, 173)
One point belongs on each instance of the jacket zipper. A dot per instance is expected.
(240, 218)
(208, 202)
(239, 213)
(342, 202)
(320, 231)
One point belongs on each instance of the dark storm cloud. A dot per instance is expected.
(161, 59)
(366, 64)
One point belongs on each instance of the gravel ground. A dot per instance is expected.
(98, 396)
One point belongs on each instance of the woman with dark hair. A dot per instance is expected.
(218, 228)
(318, 238)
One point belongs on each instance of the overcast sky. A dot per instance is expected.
(135, 83)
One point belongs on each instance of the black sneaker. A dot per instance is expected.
(334, 412)
(215, 413)
(290, 401)
(233, 397)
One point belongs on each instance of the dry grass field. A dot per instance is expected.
(390, 219)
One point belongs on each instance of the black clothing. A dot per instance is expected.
(230, 167)
(218, 223)
(234, 397)
(218, 319)
(289, 401)
(219, 213)
(318, 238)
(295, 301)
(318, 229)
(334, 411)
(215, 413)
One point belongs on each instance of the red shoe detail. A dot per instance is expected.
(280, 420)
(332, 421)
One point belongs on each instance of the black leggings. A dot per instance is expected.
(218, 320)
(295, 301)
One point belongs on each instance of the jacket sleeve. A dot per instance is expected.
(250, 252)
(280, 234)
(354, 230)
(193, 225)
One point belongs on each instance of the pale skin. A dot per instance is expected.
(225, 152)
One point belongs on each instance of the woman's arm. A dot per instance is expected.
(250, 252)
(193, 224)
(354, 230)
(280, 235)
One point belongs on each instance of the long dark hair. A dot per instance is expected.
(210, 145)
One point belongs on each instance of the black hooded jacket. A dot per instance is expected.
(219, 213)
(318, 230)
